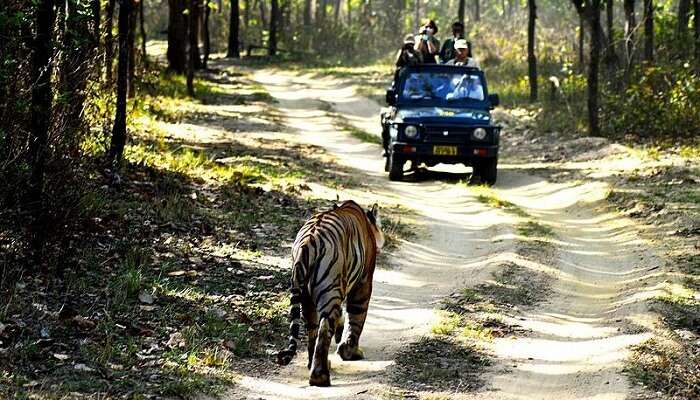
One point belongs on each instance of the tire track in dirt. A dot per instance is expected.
(579, 337)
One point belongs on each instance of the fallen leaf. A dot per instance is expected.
(61, 356)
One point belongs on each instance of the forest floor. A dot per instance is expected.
(575, 277)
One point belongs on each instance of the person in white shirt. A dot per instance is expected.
(462, 56)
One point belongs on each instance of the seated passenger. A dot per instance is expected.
(427, 44)
(468, 87)
(448, 52)
(462, 58)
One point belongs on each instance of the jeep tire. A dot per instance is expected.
(395, 167)
(487, 170)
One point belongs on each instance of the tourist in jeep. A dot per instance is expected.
(462, 55)
(426, 43)
(447, 52)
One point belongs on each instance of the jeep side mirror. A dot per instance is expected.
(391, 97)
(494, 100)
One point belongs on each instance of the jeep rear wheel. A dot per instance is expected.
(395, 167)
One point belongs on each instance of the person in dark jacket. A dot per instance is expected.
(447, 52)
(408, 55)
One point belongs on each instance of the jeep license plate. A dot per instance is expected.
(445, 150)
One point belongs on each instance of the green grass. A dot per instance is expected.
(534, 229)
(489, 198)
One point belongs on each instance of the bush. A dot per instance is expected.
(660, 101)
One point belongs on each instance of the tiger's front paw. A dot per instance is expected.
(350, 353)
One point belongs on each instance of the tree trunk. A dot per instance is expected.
(131, 41)
(531, 57)
(95, 6)
(477, 10)
(349, 5)
(611, 59)
(649, 30)
(233, 42)
(593, 65)
(696, 33)
(116, 149)
(143, 32)
(177, 37)
(196, 15)
(246, 14)
(192, 53)
(460, 11)
(41, 103)
(109, 41)
(207, 39)
(274, 15)
(630, 25)
(581, 42)
(683, 18)
(336, 12)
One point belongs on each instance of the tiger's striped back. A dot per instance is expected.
(334, 255)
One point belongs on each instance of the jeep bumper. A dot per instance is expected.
(443, 153)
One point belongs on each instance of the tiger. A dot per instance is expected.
(333, 260)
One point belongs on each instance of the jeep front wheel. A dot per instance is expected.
(487, 170)
(395, 167)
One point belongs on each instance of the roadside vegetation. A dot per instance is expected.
(171, 280)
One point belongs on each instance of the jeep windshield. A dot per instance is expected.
(422, 87)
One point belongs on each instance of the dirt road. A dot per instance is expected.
(578, 337)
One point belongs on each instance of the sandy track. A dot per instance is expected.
(579, 336)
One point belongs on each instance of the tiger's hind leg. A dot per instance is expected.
(357, 304)
(308, 309)
(330, 314)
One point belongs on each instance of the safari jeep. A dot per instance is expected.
(441, 114)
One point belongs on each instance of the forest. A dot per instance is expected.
(157, 159)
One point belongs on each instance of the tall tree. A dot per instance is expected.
(143, 32)
(611, 59)
(196, 20)
(131, 44)
(649, 30)
(109, 40)
(593, 66)
(531, 57)
(581, 41)
(696, 33)
(460, 11)
(116, 149)
(590, 11)
(477, 10)
(192, 54)
(233, 41)
(207, 39)
(274, 16)
(630, 26)
(683, 19)
(40, 117)
(177, 36)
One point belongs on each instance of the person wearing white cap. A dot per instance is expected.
(462, 57)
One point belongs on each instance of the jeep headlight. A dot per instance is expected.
(411, 131)
(479, 134)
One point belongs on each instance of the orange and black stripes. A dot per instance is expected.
(333, 261)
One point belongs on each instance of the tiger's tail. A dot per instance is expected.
(286, 355)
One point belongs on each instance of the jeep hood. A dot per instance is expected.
(444, 115)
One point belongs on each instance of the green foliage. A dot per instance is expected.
(661, 101)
